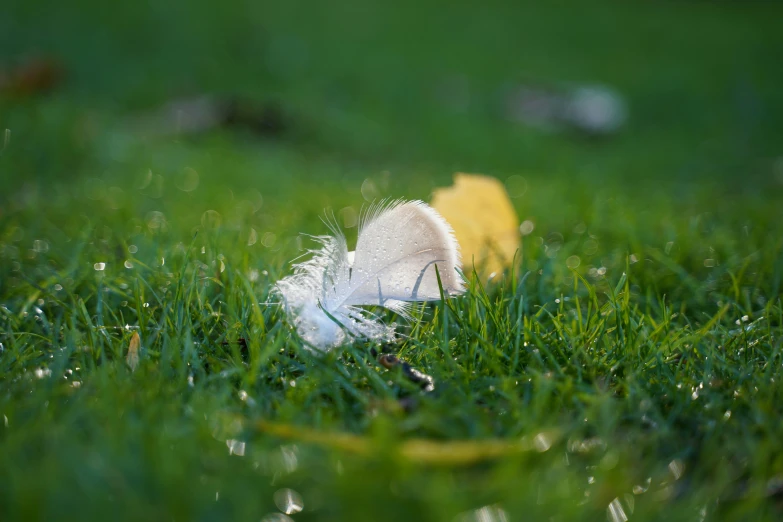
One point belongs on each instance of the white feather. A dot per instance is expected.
(398, 247)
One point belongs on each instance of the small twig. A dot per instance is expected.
(241, 341)
(390, 362)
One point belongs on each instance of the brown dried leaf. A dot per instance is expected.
(133, 351)
(484, 220)
(34, 76)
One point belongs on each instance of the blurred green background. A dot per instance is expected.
(355, 101)
(420, 86)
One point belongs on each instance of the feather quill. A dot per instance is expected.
(398, 247)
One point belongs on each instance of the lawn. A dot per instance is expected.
(627, 366)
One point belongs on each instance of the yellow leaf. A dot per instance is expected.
(484, 220)
(133, 351)
(419, 451)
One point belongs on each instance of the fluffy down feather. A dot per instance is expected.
(398, 247)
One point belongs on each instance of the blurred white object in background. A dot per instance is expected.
(596, 109)
(592, 109)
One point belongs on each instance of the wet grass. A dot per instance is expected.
(628, 366)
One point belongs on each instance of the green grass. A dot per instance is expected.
(633, 356)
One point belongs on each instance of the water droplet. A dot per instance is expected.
(639, 489)
(156, 220)
(269, 239)
(288, 501)
(236, 447)
(40, 373)
(615, 511)
(188, 180)
(516, 186)
(526, 227)
(349, 216)
(370, 191)
(40, 246)
(211, 219)
(252, 237)
(542, 442)
(677, 468)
